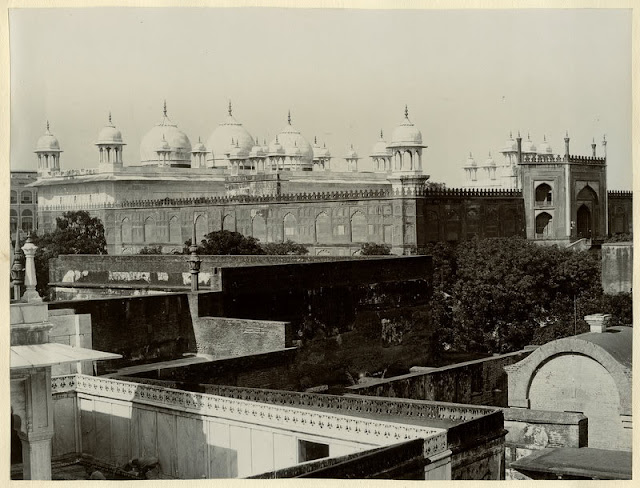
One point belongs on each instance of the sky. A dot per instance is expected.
(468, 77)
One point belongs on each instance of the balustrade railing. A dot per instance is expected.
(278, 414)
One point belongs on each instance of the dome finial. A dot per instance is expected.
(406, 111)
(47, 126)
(289, 117)
(381, 135)
(519, 134)
(110, 117)
(470, 154)
(544, 137)
(164, 109)
(315, 140)
(229, 107)
(276, 139)
(528, 136)
(510, 134)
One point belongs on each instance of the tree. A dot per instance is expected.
(75, 233)
(149, 250)
(228, 243)
(373, 249)
(285, 248)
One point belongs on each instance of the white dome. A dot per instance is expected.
(380, 148)
(257, 151)
(48, 142)
(291, 138)
(317, 150)
(489, 161)
(275, 148)
(406, 134)
(511, 145)
(109, 134)
(545, 148)
(351, 153)
(324, 152)
(528, 146)
(199, 147)
(238, 152)
(471, 161)
(218, 142)
(168, 132)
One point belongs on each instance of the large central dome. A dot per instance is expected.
(219, 142)
(292, 142)
(406, 134)
(165, 131)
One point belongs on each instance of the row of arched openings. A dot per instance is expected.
(25, 220)
(26, 197)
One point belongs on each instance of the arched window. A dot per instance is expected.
(125, 231)
(290, 227)
(544, 226)
(323, 228)
(543, 194)
(27, 220)
(149, 229)
(229, 223)
(26, 197)
(14, 196)
(259, 228)
(14, 221)
(588, 194)
(201, 228)
(175, 231)
(358, 227)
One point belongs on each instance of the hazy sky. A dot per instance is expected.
(468, 77)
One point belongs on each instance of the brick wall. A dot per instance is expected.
(479, 382)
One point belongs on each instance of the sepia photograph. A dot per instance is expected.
(328, 240)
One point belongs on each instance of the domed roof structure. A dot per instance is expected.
(166, 130)
(257, 151)
(238, 152)
(230, 128)
(406, 134)
(511, 145)
(471, 162)
(528, 146)
(109, 134)
(316, 149)
(489, 161)
(324, 152)
(545, 148)
(380, 148)
(291, 138)
(351, 153)
(275, 148)
(164, 145)
(199, 147)
(48, 142)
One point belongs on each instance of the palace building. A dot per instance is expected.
(287, 189)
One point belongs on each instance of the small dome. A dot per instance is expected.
(511, 145)
(471, 161)
(48, 142)
(351, 153)
(218, 142)
(380, 148)
(489, 161)
(238, 152)
(275, 148)
(109, 134)
(294, 151)
(528, 146)
(257, 151)
(317, 150)
(291, 138)
(545, 148)
(199, 147)
(406, 134)
(165, 131)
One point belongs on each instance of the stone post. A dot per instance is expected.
(36, 456)
(30, 281)
(17, 269)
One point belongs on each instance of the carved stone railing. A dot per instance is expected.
(61, 384)
(344, 425)
(542, 158)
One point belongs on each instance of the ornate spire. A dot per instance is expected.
(528, 136)
(544, 137)
(510, 135)
(406, 111)
(276, 139)
(110, 117)
(519, 134)
(566, 133)
(230, 111)
(164, 109)
(315, 140)
(381, 135)
(47, 126)
(289, 117)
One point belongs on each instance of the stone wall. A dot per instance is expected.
(479, 382)
(617, 267)
(620, 207)
(73, 330)
(531, 430)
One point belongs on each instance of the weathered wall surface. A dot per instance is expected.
(223, 337)
(617, 267)
(72, 330)
(139, 328)
(530, 430)
(479, 382)
(620, 207)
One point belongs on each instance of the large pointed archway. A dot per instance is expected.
(584, 222)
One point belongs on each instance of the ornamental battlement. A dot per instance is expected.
(586, 159)
(620, 194)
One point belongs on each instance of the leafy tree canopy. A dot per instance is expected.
(285, 248)
(148, 250)
(373, 249)
(228, 243)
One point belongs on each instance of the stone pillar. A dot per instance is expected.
(36, 456)
(30, 294)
